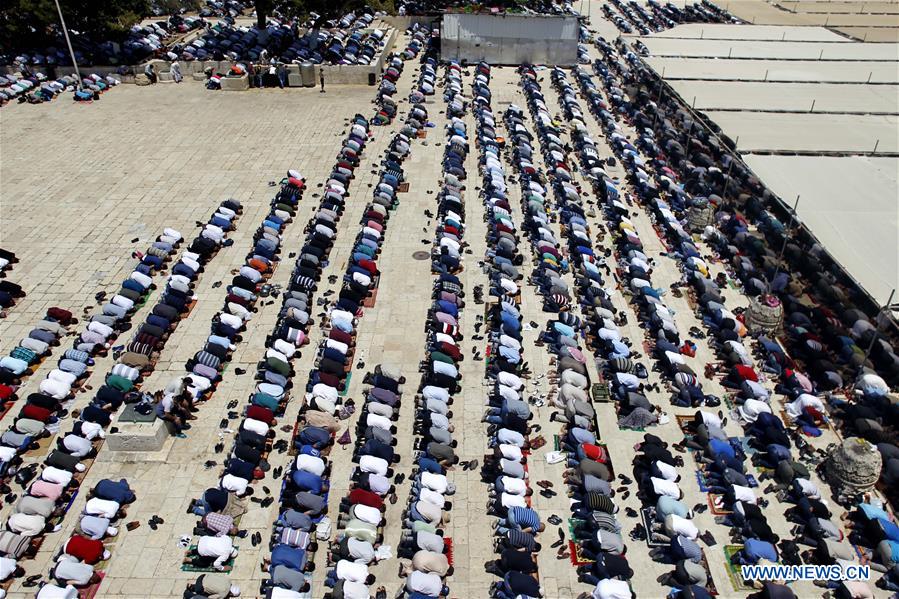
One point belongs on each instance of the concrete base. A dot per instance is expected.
(138, 436)
(235, 84)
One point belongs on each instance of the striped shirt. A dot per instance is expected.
(524, 517)
(207, 359)
(601, 503)
(303, 282)
(522, 540)
(74, 354)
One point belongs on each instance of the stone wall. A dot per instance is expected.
(334, 74)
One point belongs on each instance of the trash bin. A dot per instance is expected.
(372, 78)
(307, 73)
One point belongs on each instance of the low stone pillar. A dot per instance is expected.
(236, 84)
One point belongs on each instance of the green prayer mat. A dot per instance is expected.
(346, 384)
(192, 552)
(600, 392)
(733, 570)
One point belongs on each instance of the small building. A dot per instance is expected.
(505, 39)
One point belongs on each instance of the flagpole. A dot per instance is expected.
(65, 32)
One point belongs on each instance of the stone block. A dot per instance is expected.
(235, 84)
(138, 436)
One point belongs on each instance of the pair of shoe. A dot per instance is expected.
(155, 521)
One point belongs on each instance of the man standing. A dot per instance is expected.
(321, 79)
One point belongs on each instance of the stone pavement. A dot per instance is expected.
(80, 182)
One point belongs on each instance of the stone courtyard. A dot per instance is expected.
(84, 186)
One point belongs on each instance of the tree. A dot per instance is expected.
(326, 9)
(35, 23)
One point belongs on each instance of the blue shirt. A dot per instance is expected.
(117, 491)
(306, 481)
(314, 435)
(723, 448)
(510, 354)
(890, 530)
(665, 506)
(510, 322)
(309, 450)
(295, 519)
(284, 555)
(873, 512)
(448, 307)
(219, 340)
(778, 452)
(346, 327)
(430, 465)
(755, 549)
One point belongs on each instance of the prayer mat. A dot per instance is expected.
(292, 450)
(639, 429)
(863, 556)
(648, 516)
(192, 552)
(572, 523)
(141, 303)
(600, 393)
(369, 302)
(704, 486)
(820, 425)
(577, 559)
(710, 585)
(728, 401)
(32, 369)
(346, 384)
(714, 509)
(404, 186)
(763, 470)
(683, 421)
(691, 301)
(661, 235)
(448, 544)
(69, 505)
(609, 464)
(733, 570)
(747, 448)
(91, 591)
(43, 444)
(557, 443)
(5, 409)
